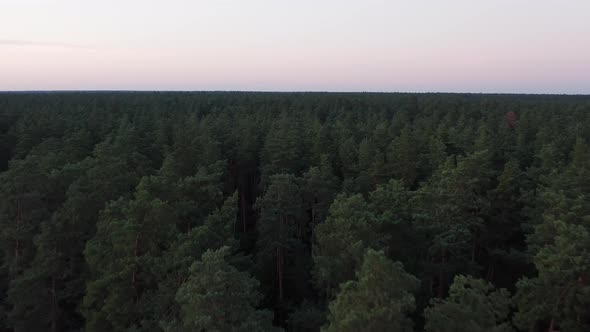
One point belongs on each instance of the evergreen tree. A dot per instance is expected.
(320, 186)
(472, 305)
(455, 222)
(280, 228)
(341, 241)
(557, 297)
(283, 149)
(403, 156)
(380, 299)
(218, 297)
(503, 239)
(172, 269)
(130, 236)
(108, 199)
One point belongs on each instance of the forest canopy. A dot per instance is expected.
(294, 211)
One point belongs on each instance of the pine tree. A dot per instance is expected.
(455, 222)
(557, 298)
(380, 299)
(283, 149)
(218, 297)
(172, 270)
(503, 239)
(28, 215)
(280, 229)
(320, 186)
(341, 241)
(472, 305)
(130, 236)
(403, 157)
(392, 206)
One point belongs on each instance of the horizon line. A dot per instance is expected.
(286, 92)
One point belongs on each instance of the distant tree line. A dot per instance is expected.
(294, 211)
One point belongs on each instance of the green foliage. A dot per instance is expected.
(108, 199)
(308, 317)
(218, 297)
(320, 186)
(404, 156)
(341, 241)
(283, 150)
(454, 223)
(504, 244)
(472, 305)
(173, 267)
(380, 299)
(130, 236)
(560, 294)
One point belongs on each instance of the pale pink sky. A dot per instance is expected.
(279, 45)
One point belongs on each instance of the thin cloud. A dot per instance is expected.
(19, 42)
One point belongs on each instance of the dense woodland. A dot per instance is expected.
(294, 211)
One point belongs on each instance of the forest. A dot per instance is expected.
(303, 212)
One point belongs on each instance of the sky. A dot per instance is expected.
(514, 46)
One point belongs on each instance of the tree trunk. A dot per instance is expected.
(442, 276)
(16, 255)
(432, 276)
(134, 273)
(280, 272)
(312, 227)
(17, 241)
(243, 209)
(53, 305)
(474, 245)
(490, 273)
